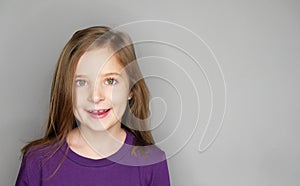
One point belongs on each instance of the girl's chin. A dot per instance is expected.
(94, 128)
(100, 126)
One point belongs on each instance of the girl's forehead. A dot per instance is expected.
(98, 61)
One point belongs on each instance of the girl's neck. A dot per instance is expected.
(96, 144)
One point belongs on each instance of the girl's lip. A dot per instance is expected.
(94, 110)
(98, 115)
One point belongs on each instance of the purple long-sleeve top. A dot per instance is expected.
(67, 168)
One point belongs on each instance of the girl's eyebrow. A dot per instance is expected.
(80, 76)
(112, 73)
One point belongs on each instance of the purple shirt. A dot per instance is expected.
(121, 168)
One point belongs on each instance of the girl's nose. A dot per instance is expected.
(96, 94)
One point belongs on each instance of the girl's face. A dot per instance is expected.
(101, 90)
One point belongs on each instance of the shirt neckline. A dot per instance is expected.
(114, 158)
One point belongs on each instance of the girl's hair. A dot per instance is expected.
(61, 119)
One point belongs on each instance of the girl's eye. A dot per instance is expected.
(81, 83)
(110, 81)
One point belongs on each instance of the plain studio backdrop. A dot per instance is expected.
(223, 75)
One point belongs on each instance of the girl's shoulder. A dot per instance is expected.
(39, 154)
(36, 159)
(142, 155)
(152, 163)
(150, 155)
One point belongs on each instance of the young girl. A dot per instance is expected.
(97, 130)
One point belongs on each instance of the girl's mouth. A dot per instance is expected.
(99, 114)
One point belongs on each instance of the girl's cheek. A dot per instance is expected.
(81, 95)
(119, 95)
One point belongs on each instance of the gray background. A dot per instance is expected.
(255, 42)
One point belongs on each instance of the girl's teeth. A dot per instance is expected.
(99, 111)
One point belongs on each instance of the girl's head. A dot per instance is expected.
(78, 57)
(106, 78)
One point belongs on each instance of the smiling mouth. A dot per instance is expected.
(99, 114)
(100, 111)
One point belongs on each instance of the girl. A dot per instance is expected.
(97, 130)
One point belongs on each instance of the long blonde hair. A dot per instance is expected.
(61, 119)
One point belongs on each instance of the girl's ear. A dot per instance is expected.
(130, 95)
